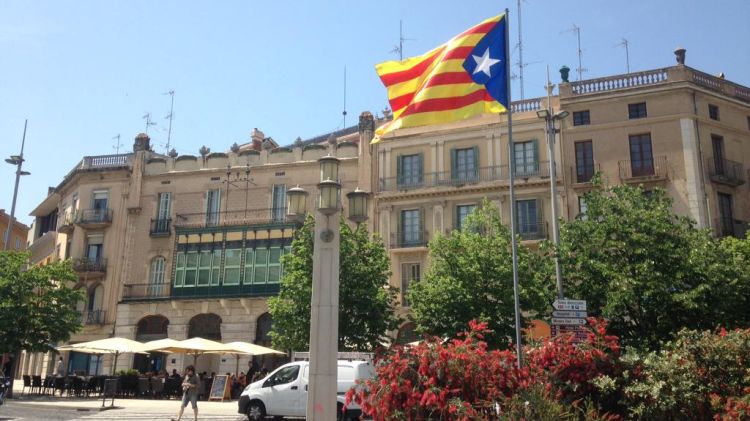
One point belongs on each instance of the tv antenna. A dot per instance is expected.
(117, 144)
(625, 44)
(400, 47)
(577, 30)
(521, 64)
(149, 122)
(344, 112)
(170, 117)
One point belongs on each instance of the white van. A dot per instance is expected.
(283, 393)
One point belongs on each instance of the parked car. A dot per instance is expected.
(283, 393)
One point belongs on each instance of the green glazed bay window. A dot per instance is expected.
(262, 265)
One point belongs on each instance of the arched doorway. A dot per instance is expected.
(206, 326)
(150, 328)
(263, 338)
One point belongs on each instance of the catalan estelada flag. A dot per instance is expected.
(464, 77)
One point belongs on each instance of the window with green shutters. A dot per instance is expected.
(462, 212)
(179, 270)
(204, 268)
(274, 265)
(409, 170)
(232, 261)
(191, 269)
(526, 158)
(465, 164)
(260, 266)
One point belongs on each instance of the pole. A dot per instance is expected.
(324, 319)
(553, 185)
(520, 52)
(19, 165)
(512, 169)
(171, 111)
(627, 54)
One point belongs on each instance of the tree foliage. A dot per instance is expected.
(471, 277)
(651, 272)
(366, 302)
(37, 307)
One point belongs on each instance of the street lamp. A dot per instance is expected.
(296, 207)
(550, 117)
(358, 205)
(16, 160)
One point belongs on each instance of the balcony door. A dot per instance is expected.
(725, 214)
(464, 163)
(717, 144)
(96, 297)
(213, 205)
(527, 215)
(156, 278)
(411, 223)
(526, 158)
(99, 205)
(278, 205)
(94, 248)
(584, 161)
(641, 155)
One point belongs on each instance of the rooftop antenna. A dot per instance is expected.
(625, 43)
(117, 144)
(400, 47)
(580, 69)
(521, 64)
(149, 122)
(344, 112)
(169, 117)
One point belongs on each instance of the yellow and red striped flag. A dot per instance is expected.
(464, 77)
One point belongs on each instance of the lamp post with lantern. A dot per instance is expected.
(324, 306)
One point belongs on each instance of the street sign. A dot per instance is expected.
(569, 305)
(579, 333)
(569, 313)
(568, 321)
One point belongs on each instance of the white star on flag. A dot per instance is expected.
(484, 62)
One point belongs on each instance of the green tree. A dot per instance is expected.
(366, 302)
(471, 277)
(649, 271)
(37, 307)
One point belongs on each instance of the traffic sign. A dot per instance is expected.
(569, 313)
(579, 333)
(568, 321)
(569, 305)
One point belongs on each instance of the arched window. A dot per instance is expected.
(96, 295)
(156, 276)
(264, 325)
(206, 326)
(151, 328)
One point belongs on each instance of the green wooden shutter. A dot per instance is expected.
(454, 164)
(420, 169)
(540, 224)
(475, 175)
(422, 236)
(399, 171)
(535, 147)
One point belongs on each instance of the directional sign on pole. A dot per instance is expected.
(569, 305)
(568, 321)
(569, 313)
(579, 334)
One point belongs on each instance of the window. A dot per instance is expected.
(726, 217)
(156, 277)
(641, 155)
(581, 118)
(278, 207)
(274, 265)
(205, 266)
(411, 224)
(462, 212)
(100, 199)
(164, 206)
(584, 161)
(285, 375)
(18, 243)
(637, 110)
(179, 270)
(409, 170)
(526, 158)
(582, 207)
(410, 272)
(213, 204)
(527, 214)
(94, 248)
(717, 144)
(191, 269)
(713, 112)
(464, 163)
(232, 258)
(260, 266)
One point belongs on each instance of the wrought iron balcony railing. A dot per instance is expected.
(229, 218)
(409, 239)
(532, 230)
(94, 217)
(725, 171)
(730, 227)
(145, 291)
(161, 227)
(89, 265)
(93, 317)
(644, 169)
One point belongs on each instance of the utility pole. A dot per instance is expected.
(16, 160)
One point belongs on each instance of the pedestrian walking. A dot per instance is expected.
(189, 392)
(60, 368)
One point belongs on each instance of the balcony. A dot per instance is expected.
(409, 240)
(160, 227)
(481, 176)
(94, 218)
(269, 216)
(644, 170)
(724, 171)
(93, 317)
(132, 292)
(581, 176)
(66, 224)
(160, 292)
(90, 268)
(532, 230)
(730, 227)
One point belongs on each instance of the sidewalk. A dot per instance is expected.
(207, 408)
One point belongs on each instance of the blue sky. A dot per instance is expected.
(85, 71)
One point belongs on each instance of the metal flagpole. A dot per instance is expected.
(511, 170)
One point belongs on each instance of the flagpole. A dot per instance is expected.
(511, 171)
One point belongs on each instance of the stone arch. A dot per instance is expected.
(263, 329)
(206, 326)
(151, 328)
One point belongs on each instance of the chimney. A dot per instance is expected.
(257, 136)
(142, 143)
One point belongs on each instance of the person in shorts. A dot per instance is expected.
(189, 392)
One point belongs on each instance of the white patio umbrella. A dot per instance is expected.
(247, 348)
(193, 346)
(114, 346)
